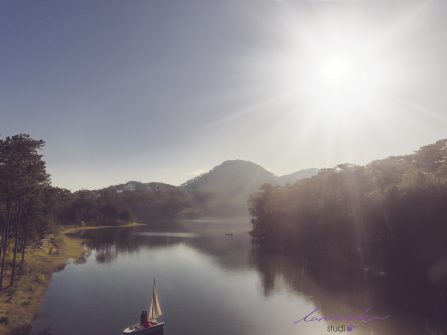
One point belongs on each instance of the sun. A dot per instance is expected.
(335, 72)
(335, 69)
(331, 72)
(331, 78)
(337, 80)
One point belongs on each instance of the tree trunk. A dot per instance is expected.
(25, 235)
(5, 242)
(16, 243)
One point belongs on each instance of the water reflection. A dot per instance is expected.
(211, 281)
(212, 238)
(413, 307)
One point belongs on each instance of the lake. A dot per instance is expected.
(210, 280)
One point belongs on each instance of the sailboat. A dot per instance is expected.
(151, 325)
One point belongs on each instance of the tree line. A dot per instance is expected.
(30, 207)
(23, 184)
(388, 218)
(133, 201)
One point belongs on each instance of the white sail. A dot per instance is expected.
(154, 308)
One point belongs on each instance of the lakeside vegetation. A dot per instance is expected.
(378, 228)
(20, 302)
(383, 223)
(34, 223)
(31, 208)
(24, 209)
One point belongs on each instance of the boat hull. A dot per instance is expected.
(137, 330)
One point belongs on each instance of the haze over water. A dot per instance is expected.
(207, 282)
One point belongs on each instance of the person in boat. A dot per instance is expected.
(143, 318)
(146, 323)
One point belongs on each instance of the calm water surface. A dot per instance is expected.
(209, 282)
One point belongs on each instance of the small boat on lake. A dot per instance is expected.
(151, 325)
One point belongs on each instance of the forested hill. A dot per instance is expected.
(133, 201)
(225, 189)
(388, 217)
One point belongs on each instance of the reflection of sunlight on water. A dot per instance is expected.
(167, 234)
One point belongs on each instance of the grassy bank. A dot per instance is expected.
(19, 303)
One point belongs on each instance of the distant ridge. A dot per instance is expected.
(221, 192)
(225, 189)
(295, 176)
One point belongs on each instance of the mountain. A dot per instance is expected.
(295, 176)
(222, 192)
(225, 189)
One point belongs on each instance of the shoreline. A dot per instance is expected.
(20, 303)
(74, 229)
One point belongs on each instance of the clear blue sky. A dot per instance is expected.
(161, 90)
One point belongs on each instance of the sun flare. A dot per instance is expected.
(338, 70)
